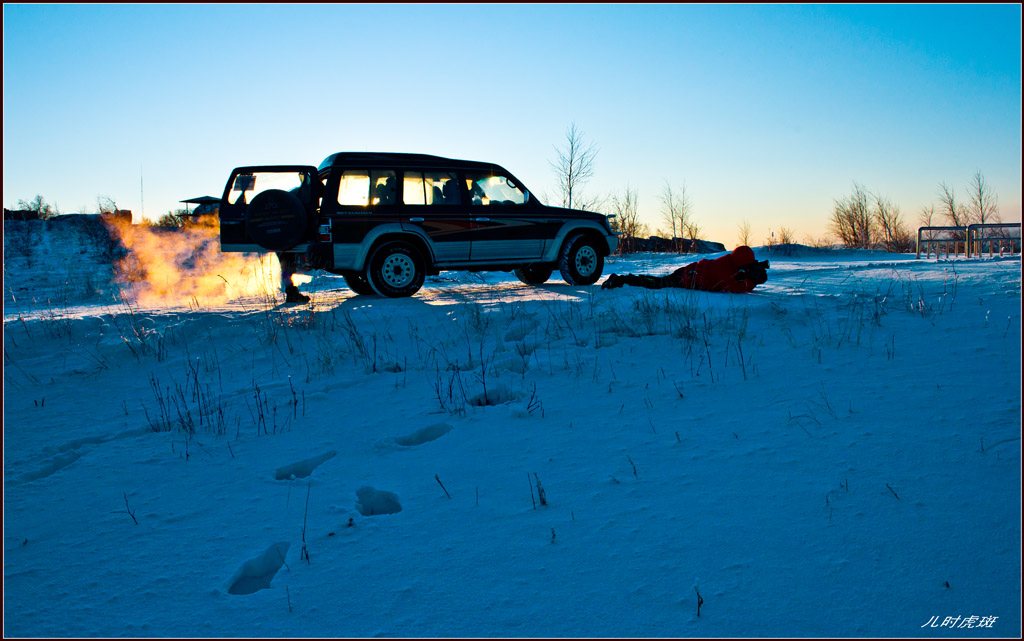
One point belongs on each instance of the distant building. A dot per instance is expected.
(205, 205)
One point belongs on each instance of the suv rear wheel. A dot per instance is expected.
(580, 262)
(396, 269)
(534, 274)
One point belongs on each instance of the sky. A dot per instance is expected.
(764, 114)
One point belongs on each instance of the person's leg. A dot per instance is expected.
(684, 277)
(637, 280)
(291, 292)
(287, 269)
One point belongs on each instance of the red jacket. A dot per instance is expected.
(719, 274)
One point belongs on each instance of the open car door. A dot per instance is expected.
(269, 208)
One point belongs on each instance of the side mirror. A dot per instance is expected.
(526, 197)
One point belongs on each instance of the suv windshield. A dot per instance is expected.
(494, 190)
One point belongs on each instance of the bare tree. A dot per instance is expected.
(597, 203)
(982, 203)
(926, 218)
(692, 231)
(821, 242)
(39, 205)
(786, 236)
(841, 224)
(892, 232)
(675, 211)
(904, 241)
(628, 216)
(574, 166)
(745, 233)
(852, 222)
(954, 212)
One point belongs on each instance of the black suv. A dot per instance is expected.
(384, 221)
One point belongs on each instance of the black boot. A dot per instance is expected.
(612, 282)
(293, 295)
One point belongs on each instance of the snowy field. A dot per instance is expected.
(835, 454)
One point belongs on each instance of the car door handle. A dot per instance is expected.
(482, 220)
(415, 220)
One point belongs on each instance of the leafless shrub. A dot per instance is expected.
(628, 217)
(40, 207)
(675, 211)
(692, 231)
(821, 242)
(893, 234)
(926, 218)
(744, 232)
(955, 213)
(852, 222)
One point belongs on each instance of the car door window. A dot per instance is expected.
(362, 187)
(246, 186)
(384, 188)
(486, 189)
(412, 188)
(430, 188)
(354, 188)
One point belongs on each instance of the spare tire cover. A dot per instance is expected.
(275, 220)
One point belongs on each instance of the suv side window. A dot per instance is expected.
(486, 189)
(430, 188)
(362, 187)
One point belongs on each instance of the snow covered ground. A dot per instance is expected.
(835, 454)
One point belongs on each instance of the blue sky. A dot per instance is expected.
(764, 113)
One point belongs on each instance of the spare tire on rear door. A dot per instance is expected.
(276, 220)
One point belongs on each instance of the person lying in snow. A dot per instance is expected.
(737, 273)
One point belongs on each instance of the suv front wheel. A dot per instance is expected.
(580, 262)
(396, 269)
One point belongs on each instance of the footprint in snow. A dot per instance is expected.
(302, 469)
(373, 502)
(257, 573)
(419, 437)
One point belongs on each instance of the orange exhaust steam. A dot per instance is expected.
(165, 266)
